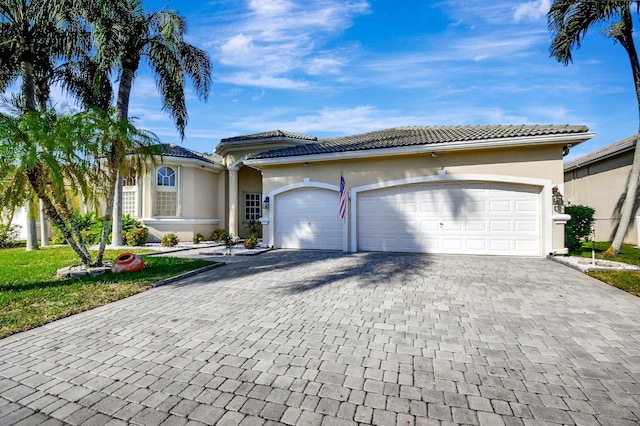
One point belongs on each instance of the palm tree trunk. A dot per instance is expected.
(625, 37)
(32, 232)
(29, 94)
(53, 214)
(122, 113)
(107, 221)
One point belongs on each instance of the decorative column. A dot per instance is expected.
(233, 200)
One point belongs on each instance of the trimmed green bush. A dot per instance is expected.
(578, 227)
(251, 241)
(170, 240)
(219, 234)
(136, 236)
(198, 238)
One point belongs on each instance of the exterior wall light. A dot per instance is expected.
(265, 203)
(557, 200)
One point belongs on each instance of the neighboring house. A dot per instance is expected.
(456, 189)
(599, 180)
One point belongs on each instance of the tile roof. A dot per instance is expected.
(408, 136)
(605, 152)
(172, 150)
(274, 134)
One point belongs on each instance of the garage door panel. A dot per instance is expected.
(476, 245)
(308, 219)
(500, 206)
(526, 226)
(478, 218)
(525, 206)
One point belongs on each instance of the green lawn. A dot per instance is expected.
(31, 295)
(626, 280)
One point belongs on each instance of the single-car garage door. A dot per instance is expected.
(308, 219)
(465, 218)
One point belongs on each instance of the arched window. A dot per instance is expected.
(166, 176)
(166, 203)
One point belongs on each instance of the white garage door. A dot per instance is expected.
(308, 219)
(472, 218)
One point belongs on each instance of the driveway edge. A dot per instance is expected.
(187, 274)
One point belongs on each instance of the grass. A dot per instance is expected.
(628, 281)
(31, 295)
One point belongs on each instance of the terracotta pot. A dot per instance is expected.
(127, 262)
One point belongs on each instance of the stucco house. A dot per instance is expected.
(451, 189)
(599, 180)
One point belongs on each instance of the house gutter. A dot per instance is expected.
(576, 164)
(573, 139)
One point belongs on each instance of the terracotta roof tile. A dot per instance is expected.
(172, 150)
(408, 136)
(274, 134)
(607, 151)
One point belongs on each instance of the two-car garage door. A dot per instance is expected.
(470, 218)
(461, 218)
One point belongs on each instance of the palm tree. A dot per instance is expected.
(60, 159)
(569, 21)
(158, 38)
(31, 39)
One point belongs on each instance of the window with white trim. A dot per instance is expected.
(166, 203)
(129, 202)
(252, 206)
(166, 177)
(130, 193)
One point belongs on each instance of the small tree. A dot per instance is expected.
(578, 227)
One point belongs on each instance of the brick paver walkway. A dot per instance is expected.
(315, 338)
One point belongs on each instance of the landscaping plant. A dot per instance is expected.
(170, 240)
(219, 234)
(251, 241)
(578, 227)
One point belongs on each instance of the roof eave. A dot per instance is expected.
(577, 163)
(193, 162)
(555, 139)
(225, 146)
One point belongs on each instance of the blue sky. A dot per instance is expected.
(339, 67)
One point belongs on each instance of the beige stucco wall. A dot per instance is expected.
(601, 186)
(543, 162)
(199, 201)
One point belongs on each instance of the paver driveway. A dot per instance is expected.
(325, 338)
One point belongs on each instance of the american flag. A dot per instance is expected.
(343, 199)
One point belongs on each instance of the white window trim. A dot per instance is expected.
(244, 205)
(177, 169)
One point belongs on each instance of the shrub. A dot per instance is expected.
(58, 239)
(254, 227)
(198, 238)
(219, 234)
(251, 241)
(136, 236)
(578, 227)
(170, 240)
(229, 241)
(9, 235)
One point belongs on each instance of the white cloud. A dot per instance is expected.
(330, 121)
(263, 81)
(280, 40)
(532, 10)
